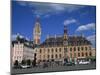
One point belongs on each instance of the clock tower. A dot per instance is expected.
(37, 32)
(65, 36)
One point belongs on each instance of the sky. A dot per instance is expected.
(79, 19)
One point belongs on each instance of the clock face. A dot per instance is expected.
(65, 42)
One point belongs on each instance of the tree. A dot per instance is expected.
(23, 62)
(16, 63)
(66, 60)
(33, 63)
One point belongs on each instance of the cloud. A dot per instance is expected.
(92, 39)
(69, 21)
(46, 16)
(90, 26)
(50, 8)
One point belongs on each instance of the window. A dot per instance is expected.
(60, 56)
(86, 48)
(65, 49)
(40, 51)
(70, 49)
(74, 49)
(52, 49)
(78, 54)
(82, 54)
(81, 48)
(51, 56)
(56, 56)
(59, 49)
(56, 49)
(48, 56)
(78, 48)
(90, 54)
(86, 54)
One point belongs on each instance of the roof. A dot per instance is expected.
(59, 41)
(26, 43)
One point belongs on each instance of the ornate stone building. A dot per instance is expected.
(59, 48)
(54, 48)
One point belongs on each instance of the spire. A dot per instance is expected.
(65, 29)
(65, 32)
(82, 35)
(55, 35)
(37, 18)
(47, 36)
(37, 28)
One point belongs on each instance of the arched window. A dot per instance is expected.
(65, 49)
(86, 54)
(70, 49)
(40, 51)
(81, 48)
(78, 48)
(48, 56)
(60, 56)
(90, 53)
(78, 54)
(74, 49)
(56, 56)
(52, 50)
(56, 50)
(86, 48)
(52, 56)
(59, 49)
(82, 54)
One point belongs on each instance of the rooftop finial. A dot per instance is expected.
(37, 18)
(65, 28)
(55, 35)
(82, 35)
(47, 36)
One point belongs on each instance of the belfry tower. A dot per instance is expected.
(37, 32)
(65, 36)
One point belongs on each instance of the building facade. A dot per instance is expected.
(93, 52)
(22, 49)
(54, 48)
(59, 48)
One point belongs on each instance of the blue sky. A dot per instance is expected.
(79, 19)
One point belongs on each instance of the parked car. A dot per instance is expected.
(25, 66)
(84, 62)
(69, 64)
